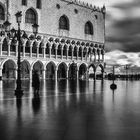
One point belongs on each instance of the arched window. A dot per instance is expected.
(30, 16)
(24, 2)
(89, 28)
(38, 4)
(64, 23)
(2, 13)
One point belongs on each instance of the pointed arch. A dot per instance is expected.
(25, 66)
(73, 71)
(31, 16)
(50, 70)
(62, 68)
(89, 28)
(82, 71)
(5, 45)
(8, 70)
(64, 23)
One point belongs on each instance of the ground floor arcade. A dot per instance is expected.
(51, 69)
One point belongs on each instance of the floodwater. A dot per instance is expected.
(71, 110)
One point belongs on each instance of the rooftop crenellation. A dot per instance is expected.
(86, 5)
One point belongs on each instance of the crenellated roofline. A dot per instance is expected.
(86, 5)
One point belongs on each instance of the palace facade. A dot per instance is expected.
(69, 44)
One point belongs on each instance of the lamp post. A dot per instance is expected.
(18, 91)
(35, 29)
(13, 33)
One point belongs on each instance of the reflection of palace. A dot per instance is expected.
(70, 42)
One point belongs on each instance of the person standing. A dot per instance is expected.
(36, 83)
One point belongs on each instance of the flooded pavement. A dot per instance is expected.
(71, 110)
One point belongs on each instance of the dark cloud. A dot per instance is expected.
(128, 5)
(124, 32)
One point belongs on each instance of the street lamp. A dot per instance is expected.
(18, 91)
(35, 28)
(17, 34)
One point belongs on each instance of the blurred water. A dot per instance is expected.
(71, 110)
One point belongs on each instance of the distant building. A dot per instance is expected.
(70, 39)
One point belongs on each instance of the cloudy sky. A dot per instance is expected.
(122, 31)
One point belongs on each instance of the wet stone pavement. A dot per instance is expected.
(71, 110)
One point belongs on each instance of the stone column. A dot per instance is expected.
(0, 48)
(44, 74)
(56, 74)
(50, 51)
(62, 46)
(30, 74)
(77, 54)
(77, 74)
(72, 53)
(67, 52)
(67, 73)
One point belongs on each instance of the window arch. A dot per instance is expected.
(2, 13)
(24, 2)
(38, 4)
(89, 28)
(30, 16)
(64, 23)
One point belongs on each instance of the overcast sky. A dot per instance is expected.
(122, 29)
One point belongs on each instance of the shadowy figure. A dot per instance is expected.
(36, 84)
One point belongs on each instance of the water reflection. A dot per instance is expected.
(71, 110)
(36, 104)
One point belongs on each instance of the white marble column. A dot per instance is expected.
(72, 53)
(0, 48)
(62, 46)
(30, 74)
(9, 49)
(77, 74)
(44, 74)
(31, 50)
(56, 74)
(67, 73)
(50, 48)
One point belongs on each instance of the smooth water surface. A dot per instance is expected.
(71, 110)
